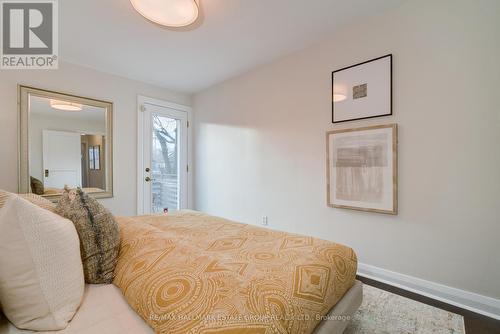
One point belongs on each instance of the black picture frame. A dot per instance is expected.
(355, 65)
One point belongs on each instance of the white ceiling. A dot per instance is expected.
(233, 37)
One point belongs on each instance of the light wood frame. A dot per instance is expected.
(24, 93)
(394, 127)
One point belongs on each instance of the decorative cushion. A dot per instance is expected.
(4, 195)
(36, 186)
(35, 199)
(41, 276)
(39, 201)
(98, 231)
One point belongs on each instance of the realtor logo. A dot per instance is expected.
(29, 34)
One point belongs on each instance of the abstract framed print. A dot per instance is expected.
(362, 171)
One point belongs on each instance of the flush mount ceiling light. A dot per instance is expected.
(338, 97)
(66, 106)
(169, 13)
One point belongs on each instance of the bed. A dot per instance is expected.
(104, 310)
(189, 272)
(48, 191)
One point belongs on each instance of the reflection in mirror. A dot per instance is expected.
(67, 144)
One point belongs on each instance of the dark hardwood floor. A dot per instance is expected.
(474, 323)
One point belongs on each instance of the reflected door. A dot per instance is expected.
(61, 159)
(164, 175)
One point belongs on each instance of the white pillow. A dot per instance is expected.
(41, 275)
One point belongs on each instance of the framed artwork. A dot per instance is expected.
(363, 90)
(362, 169)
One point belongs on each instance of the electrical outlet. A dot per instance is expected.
(264, 221)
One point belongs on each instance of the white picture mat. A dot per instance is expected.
(377, 75)
(387, 202)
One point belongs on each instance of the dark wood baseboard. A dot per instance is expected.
(474, 323)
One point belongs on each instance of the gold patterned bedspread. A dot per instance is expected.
(193, 273)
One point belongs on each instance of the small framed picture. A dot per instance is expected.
(362, 169)
(363, 90)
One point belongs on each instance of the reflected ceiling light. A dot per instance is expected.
(67, 106)
(170, 13)
(339, 97)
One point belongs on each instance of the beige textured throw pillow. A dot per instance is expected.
(39, 201)
(98, 232)
(41, 275)
(33, 198)
(4, 196)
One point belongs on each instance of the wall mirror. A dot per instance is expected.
(64, 140)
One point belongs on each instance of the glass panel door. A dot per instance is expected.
(164, 159)
(165, 184)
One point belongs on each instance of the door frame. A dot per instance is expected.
(141, 100)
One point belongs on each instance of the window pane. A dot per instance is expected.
(165, 164)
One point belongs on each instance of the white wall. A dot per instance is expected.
(260, 143)
(82, 81)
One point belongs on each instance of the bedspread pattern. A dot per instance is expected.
(193, 273)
